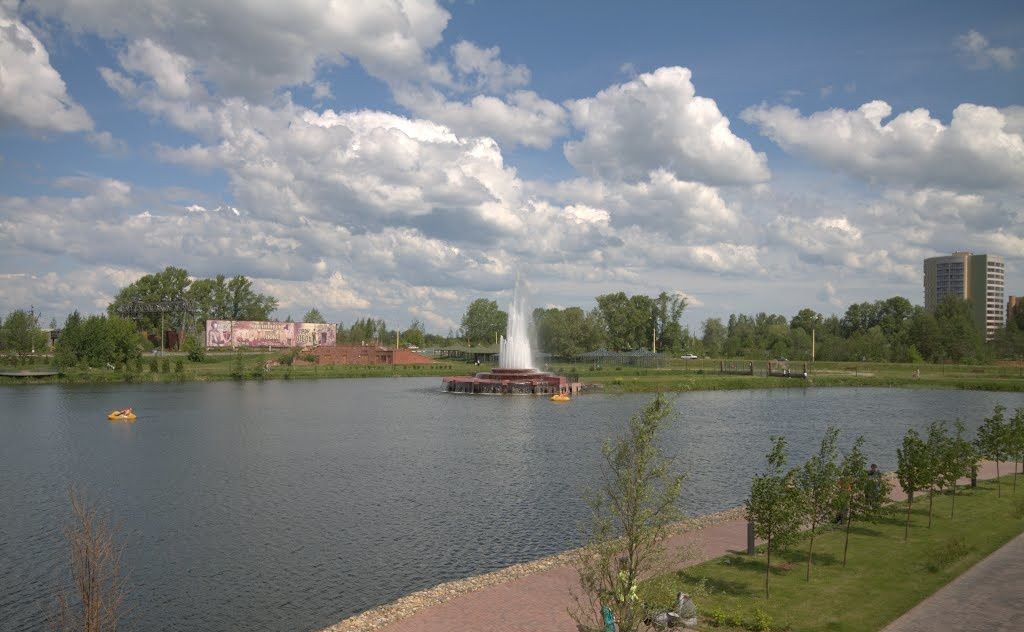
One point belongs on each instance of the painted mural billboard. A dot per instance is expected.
(261, 333)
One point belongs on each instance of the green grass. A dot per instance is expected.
(884, 576)
(679, 375)
(221, 366)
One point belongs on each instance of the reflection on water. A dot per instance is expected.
(291, 505)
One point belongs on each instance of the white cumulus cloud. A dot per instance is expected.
(976, 150)
(32, 92)
(657, 121)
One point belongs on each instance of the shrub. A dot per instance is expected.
(154, 365)
(179, 366)
(165, 365)
(194, 349)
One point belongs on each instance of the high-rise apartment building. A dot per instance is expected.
(975, 278)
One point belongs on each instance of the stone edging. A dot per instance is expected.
(404, 607)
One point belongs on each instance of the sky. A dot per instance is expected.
(399, 158)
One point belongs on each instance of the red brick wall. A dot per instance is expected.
(365, 355)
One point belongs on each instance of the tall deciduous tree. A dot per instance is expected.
(20, 333)
(774, 506)
(630, 518)
(991, 441)
(483, 322)
(912, 470)
(817, 481)
(714, 336)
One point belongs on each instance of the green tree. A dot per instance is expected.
(194, 349)
(859, 495)
(313, 316)
(630, 519)
(1015, 442)
(937, 451)
(568, 332)
(961, 460)
(171, 284)
(960, 340)
(817, 481)
(991, 441)
(244, 303)
(415, 335)
(20, 333)
(851, 486)
(912, 470)
(774, 506)
(714, 336)
(807, 319)
(483, 322)
(668, 310)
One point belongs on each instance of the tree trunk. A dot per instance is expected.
(846, 545)
(952, 507)
(906, 530)
(810, 554)
(1015, 476)
(768, 568)
(999, 485)
(931, 497)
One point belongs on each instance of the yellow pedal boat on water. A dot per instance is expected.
(560, 397)
(121, 415)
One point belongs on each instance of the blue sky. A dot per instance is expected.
(399, 159)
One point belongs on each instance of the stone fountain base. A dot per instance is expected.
(506, 381)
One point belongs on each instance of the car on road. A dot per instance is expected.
(688, 356)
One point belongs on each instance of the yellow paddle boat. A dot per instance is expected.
(560, 397)
(122, 415)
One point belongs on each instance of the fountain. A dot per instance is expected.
(515, 351)
(515, 372)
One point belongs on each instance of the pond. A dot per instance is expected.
(289, 505)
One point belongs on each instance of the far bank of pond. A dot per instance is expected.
(676, 376)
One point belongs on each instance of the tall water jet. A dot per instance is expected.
(515, 351)
(515, 372)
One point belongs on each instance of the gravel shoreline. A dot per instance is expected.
(404, 607)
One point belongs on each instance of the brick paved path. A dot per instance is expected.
(539, 602)
(984, 599)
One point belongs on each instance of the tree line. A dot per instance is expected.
(828, 488)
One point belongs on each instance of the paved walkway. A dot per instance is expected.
(985, 598)
(540, 601)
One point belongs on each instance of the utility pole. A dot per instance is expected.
(812, 345)
(32, 334)
(654, 340)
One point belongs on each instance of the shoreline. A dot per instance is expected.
(668, 381)
(404, 607)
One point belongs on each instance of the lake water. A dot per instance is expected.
(291, 505)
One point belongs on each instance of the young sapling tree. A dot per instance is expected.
(853, 489)
(1015, 442)
(631, 515)
(774, 506)
(817, 481)
(936, 453)
(912, 470)
(962, 459)
(991, 441)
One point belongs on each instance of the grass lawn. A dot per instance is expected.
(884, 576)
